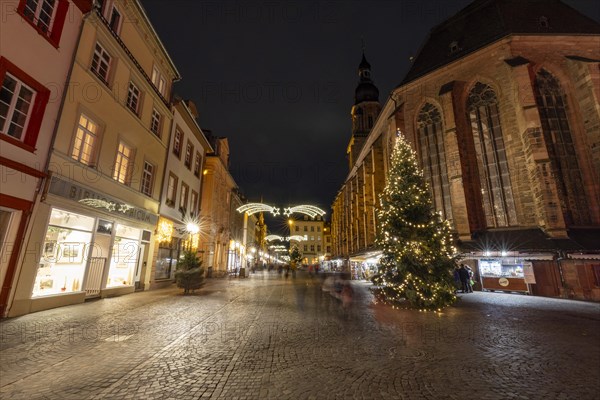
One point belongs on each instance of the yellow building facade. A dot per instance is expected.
(93, 232)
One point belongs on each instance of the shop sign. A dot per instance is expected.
(503, 282)
(528, 273)
(94, 199)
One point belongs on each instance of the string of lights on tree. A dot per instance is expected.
(417, 246)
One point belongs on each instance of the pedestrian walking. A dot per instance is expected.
(465, 279)
(457, 282)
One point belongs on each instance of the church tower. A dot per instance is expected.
(365, 110)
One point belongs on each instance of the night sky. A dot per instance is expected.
(277, 78)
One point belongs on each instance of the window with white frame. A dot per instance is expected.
(197, 164)
(41, 13)
(177, 140)
(155, 123)
(101, 63)
(16, 100)
(171, 189)
(123, 163)
(133, 98)
(147, 179)
(159, 81)
(189, 150)
(183, 197)
(85, 143)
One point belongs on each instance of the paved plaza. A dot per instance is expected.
(266, 337)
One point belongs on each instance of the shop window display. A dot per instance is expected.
(502, 275)
(125, 256)
(167, 259)
(63, 254)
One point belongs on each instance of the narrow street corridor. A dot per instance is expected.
(267, 337)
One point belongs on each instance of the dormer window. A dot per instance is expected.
(454, 47)
(543, 22)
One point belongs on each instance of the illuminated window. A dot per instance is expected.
(123, 164)
(86, 137)
(159, 81)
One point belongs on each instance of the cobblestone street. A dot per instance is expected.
(270, 338)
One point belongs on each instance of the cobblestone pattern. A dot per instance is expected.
(271, 338)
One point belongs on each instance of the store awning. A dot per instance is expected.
(533, 240)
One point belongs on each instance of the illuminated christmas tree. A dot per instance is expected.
(417, 260)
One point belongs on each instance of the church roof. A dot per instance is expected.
(486, 21)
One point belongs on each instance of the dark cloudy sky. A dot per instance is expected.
(278, 77)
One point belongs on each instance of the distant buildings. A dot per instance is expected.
(503, 114)
(311, 247)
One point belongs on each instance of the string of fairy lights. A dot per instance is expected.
(416, 241)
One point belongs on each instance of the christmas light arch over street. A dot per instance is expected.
(253, 208)
(271, 238)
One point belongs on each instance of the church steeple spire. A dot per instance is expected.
(365, 110)
(366, 89)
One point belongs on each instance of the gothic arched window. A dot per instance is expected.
(433, 156)
(551, 102)
(494, 177)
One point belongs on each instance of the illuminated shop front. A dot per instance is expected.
(64, 253)
(365, 266)
(237, 252)
(125, 256)
(504, 274)
(84, 244)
